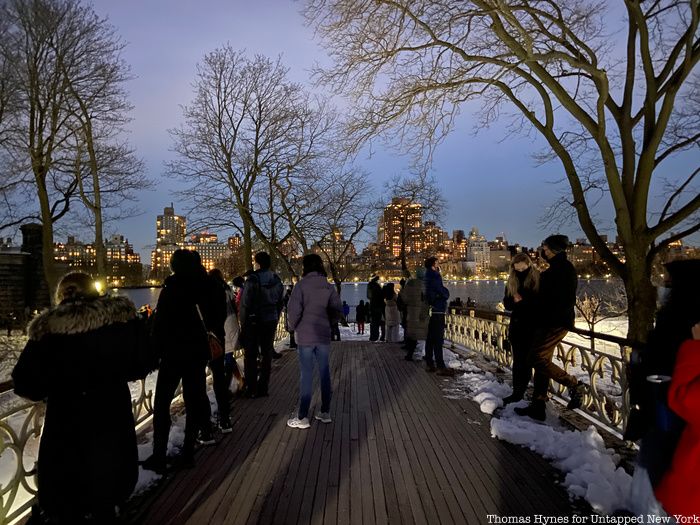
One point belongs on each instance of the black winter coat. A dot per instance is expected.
(522, 317)
(178, 331)
(79, 358)
(557, 296)
(376, 297)
(360, 313)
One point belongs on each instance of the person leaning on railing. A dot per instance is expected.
(519, 298)
(79, 358)
(555, 316)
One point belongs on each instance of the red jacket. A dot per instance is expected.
(679, 490)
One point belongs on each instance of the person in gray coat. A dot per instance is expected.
(417, 312)
(314, 303)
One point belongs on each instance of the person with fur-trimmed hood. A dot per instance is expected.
(79, 358)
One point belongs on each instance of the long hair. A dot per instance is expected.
(532, 281)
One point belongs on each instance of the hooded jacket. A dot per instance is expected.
(79, 358)
(262, 299)
(312, 299)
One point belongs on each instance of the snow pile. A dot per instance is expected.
(480, 386)
(591, 470)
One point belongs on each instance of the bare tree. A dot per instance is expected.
(63, 56)
(595, 306)
(339, 225)
(100, 107)
(249, 147)
(418, 189)
(612, 116)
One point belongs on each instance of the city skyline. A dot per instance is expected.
(488, 175)
(489, 182)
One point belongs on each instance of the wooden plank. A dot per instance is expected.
(396, 452)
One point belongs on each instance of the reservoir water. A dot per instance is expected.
(487, 294)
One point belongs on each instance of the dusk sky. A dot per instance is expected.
(490, 180)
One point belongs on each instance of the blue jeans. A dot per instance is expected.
(306, 367)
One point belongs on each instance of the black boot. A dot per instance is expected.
(535, 410)
(576, 394)
(156, 463)
(513, 398)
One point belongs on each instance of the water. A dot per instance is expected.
(487, 294)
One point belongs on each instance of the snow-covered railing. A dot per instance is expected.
(598, 359)
(20, 427)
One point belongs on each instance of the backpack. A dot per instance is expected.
(269, 296)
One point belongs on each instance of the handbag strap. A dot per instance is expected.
(201, 318)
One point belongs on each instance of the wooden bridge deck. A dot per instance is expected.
(396, 452)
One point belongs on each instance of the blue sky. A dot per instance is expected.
(489, 182)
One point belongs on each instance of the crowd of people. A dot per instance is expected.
(82, 353)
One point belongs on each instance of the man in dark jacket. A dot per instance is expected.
(555, 316)
(376, 309)
(183, 345)
(261, 305)
(436, 296)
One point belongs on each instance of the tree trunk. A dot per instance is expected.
(336, 277)
(96, 206)
(47, 238)
(641, 294)
(247, 246)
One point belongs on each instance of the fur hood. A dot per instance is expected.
(81, 316)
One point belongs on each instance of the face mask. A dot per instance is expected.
(664, 293)
(522, 273)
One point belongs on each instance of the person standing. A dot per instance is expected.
(313, 301)
(78, 360)
(184, 348)
(679, 491)
(391, 314)
(292, 342)
(554, 317)
(436, 296)
(376, 309)
(220, 300)
(520, 299)
(360, 317)
(261, 305)
(661, 427)
(417, 313)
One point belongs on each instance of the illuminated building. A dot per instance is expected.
(401, 224)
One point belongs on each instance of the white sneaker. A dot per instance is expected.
(324, 417)
(295, 422)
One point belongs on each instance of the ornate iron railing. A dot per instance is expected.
(20, 428)
(599, 360)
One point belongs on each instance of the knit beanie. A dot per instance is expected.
(556, 243)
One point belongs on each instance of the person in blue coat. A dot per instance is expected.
(436, 296)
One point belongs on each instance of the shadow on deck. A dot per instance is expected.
(396, 452)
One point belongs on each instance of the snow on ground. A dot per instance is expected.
(590, 470)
